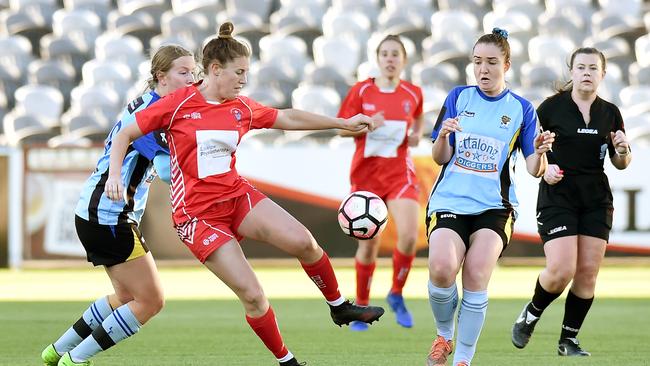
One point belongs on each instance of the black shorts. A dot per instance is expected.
(500, 221)
(108, 245)
(577, 205)
(556, 221)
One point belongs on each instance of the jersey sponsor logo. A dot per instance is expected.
(193, 115)
(505, 121)
(210, 239)
(214, 149)
(467, 114)
(134, 105)
(588, 131)
(557, 230)
(478, 153)
(369, 107)
(385, 140)
(448, 216)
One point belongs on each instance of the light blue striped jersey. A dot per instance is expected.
(137, 173)
(479, 175)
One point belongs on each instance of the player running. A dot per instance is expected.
(381, 164)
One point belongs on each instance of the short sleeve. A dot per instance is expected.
(351, 105)
(263, 116)
(529, 128)
(151, 144)
(617, 124)
(158, 115)
(420, 103)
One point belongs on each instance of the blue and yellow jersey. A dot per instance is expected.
(137, 173)
(479, 175)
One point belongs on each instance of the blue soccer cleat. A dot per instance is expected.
(358, 326)
(402, 315)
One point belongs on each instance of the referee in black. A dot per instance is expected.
(575, 204)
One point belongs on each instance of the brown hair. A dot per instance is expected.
(162, 60)
(396, 38)
(224, 48)
(587, 51)
(498, 37)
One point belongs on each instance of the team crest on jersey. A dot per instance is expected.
(505, 121)
(238, 115)
(407, 106)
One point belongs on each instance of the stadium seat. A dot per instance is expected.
(181, 39)
(438, 51)
(205, 7)
(540, 75)
(93, 127)
(302, 21)
(518, 24)
(341, 54)
(247, 25)
(350, 24)
(532, 8)
(274, 74)
(288, 51)
(633, 95)
(535, 95)
(69, 140)
(20, 129)
(43, 101)
(155, 8)
(327, 76)
(642, 50)
(639, 75)
(55, 73)
(406, 23)
(622, 7)
(100, 8)
(195, 26)
(64, 49)
(371, 8)
(115, 75)
(453, 24)
(262, 8)
(96, 100)
(562, 25)
(607, 25)
(477, 7)
(17, 51)
(31, 25)
(367, 69)
(550, 50)
(317, 99)
(117, 47)
(80, 26)
(441, 75)
(267, 94)
(581, 9)
(140, 25)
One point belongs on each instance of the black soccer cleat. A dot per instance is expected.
(349, 311)
(293, 362)
(570, 347)
(523, 328)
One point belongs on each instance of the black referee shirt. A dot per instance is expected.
(579, 148)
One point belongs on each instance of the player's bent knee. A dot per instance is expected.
(441, 272)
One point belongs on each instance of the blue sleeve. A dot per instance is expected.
(161, 162)
(151, 144)
(448, 110)
(529, 129)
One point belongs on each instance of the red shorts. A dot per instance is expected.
(218, 225)
(390, 189)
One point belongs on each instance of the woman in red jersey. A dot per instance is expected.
(382, 165)
(213, 206)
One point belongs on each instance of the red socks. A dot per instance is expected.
(266, 328)
(364, 280)
(323, 276)
(401, 267)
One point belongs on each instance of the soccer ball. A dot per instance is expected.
(362, 215)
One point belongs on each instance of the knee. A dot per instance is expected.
(441, 273)
(408, 241)
(585, 279)
(559, 277)
(254, 300)
(302, 244)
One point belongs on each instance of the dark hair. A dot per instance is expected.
(393, 37)
(587, 51)
(498, 37)
(224, 48)
(162, 61)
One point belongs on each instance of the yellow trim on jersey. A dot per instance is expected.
(138, 249)
(432, 223)
(511, 145)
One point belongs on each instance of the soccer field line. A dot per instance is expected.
(290, 282)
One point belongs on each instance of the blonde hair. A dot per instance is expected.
(162, 61)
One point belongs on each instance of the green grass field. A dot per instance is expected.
(203, 325)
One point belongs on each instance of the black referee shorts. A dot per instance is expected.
(108, 245)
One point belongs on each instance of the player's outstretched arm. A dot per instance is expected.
(295, 119)
(113, 187)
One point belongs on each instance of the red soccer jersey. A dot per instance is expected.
(383, 154)
(203, 137)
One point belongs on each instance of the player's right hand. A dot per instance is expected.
(553, 174)
(448, 126)
(114, 189)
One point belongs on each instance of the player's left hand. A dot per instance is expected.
(544, 142)
(619, 140)
(414, 138)
(359, 122)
